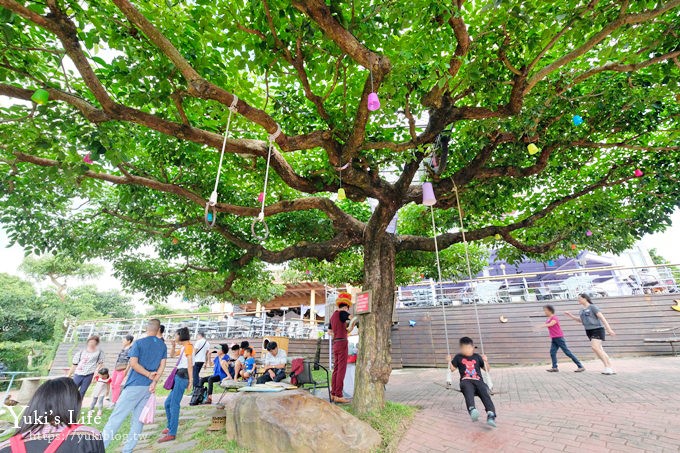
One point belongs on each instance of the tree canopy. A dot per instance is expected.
(535, 114)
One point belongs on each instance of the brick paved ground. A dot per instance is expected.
(636, 410)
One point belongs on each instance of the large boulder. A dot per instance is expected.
(295, 421)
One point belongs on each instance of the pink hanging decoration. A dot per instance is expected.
(373, 102)
(428, 194)
(589, 233)
(638, 173)
(87, 159)
(260, 198)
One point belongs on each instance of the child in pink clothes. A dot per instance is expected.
(557, 340)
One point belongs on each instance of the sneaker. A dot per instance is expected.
(166, 438)
(491, 419)
(552, 370)
(474, 414)
(579, 370)
(608, 371)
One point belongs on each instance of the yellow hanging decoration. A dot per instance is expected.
(341, 194)
(532, 148)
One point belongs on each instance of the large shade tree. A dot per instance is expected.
(474, 83)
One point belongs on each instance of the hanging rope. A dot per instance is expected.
(439, 273)
(211, 217)
(469, 268)
(260, 217)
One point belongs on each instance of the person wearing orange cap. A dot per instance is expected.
(338, 331)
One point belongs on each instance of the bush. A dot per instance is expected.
(15, 355)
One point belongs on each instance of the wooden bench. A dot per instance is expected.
(671, 340)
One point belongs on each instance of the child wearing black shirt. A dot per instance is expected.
(470, 365)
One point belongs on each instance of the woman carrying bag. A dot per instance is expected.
(179, 381)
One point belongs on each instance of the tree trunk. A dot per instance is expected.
(374, 360)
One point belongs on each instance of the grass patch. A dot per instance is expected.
(390, 422)
(215, 440)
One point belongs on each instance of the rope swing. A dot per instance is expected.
(211, 217)
(469, 268)
(485, 374)
(449, 377)
(263, 195)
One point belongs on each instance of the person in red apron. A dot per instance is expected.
(338, 331)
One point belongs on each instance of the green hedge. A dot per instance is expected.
(15, 355)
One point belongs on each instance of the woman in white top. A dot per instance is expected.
(183, 381)
(201, 356)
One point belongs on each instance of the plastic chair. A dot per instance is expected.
(305, 380)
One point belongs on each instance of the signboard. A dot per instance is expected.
(363, 303)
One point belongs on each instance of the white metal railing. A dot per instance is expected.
(213, 325)
(606, 281)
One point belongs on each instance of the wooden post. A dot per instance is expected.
(312, 306)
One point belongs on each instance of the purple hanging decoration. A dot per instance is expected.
(373, 101)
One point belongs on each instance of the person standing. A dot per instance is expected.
(557, 340)
(85, 363)
(595, 324)
(338, 326)
(147, 363)
(201, 356)
(121, 368)
(183, 381)
(102, 389)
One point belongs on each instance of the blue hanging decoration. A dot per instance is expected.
(577, 120)
(551, 263)
(411, 323)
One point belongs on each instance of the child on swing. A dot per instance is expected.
(470, 365)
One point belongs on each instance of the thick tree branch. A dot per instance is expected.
(408, 242)
(348, 43)
(591, 5)
(620, 21)
(339, 218)
(621, 67)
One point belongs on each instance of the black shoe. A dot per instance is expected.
(552, 370)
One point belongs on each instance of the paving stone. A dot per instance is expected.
(633, 411)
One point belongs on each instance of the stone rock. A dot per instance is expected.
(295, 421)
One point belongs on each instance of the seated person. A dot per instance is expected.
(274, 364)
(58, 399)
(232, 358)
(240, 360)
(220, 371)
(248, 371)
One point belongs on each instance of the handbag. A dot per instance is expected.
(17, 444)
(170, 381)
(146, 417)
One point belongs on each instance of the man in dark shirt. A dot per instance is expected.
(470, 365)
(338, 326)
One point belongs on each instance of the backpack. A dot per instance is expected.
(296, 367)
(199, 395)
